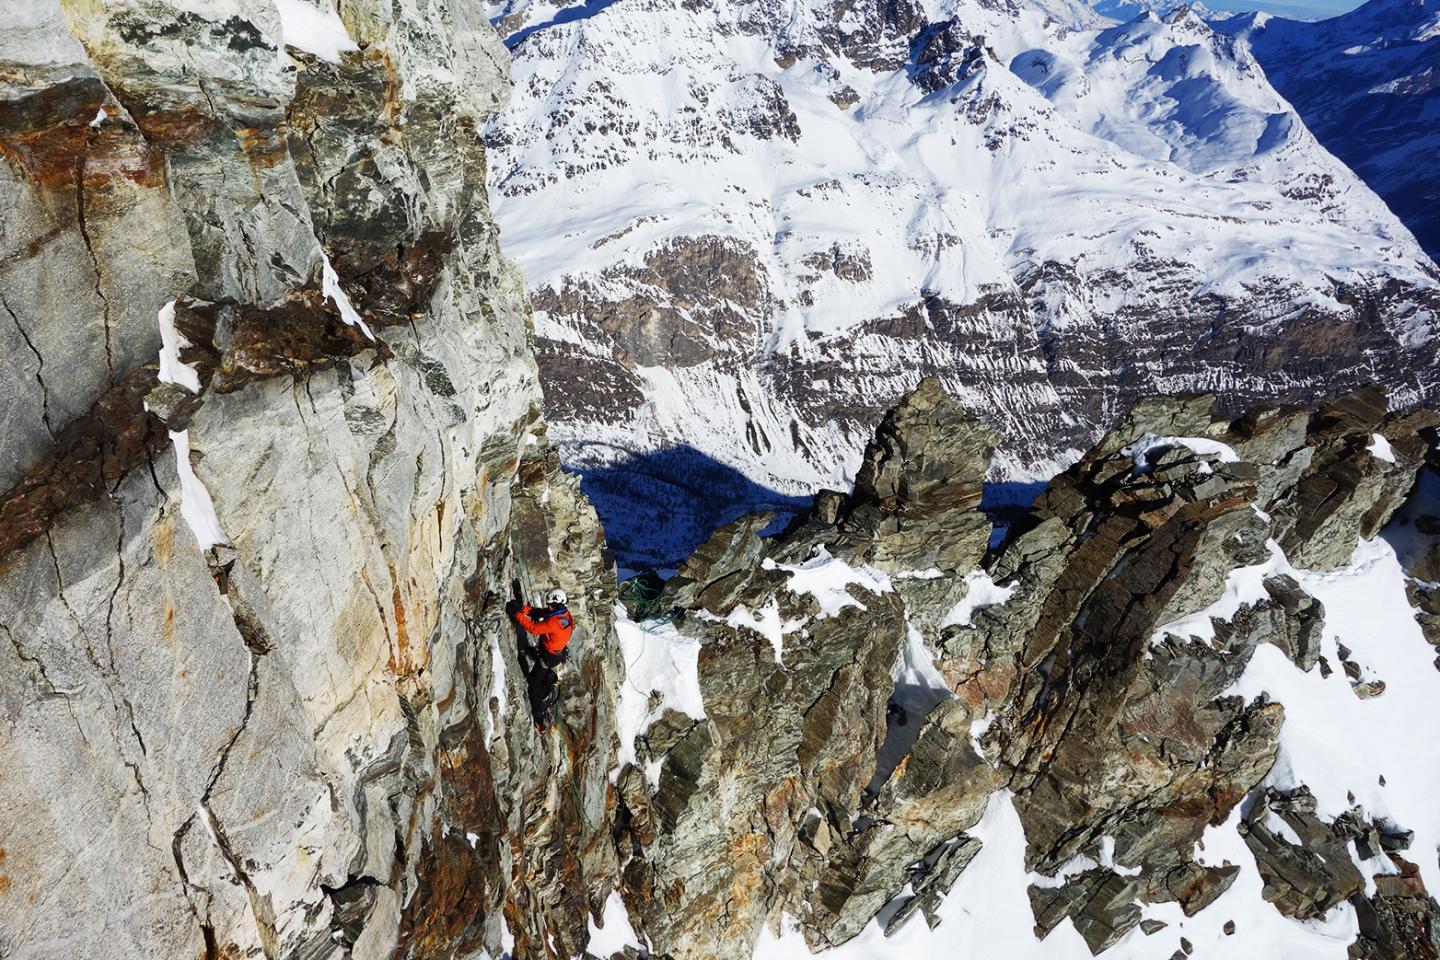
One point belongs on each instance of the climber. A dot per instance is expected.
(551, 627)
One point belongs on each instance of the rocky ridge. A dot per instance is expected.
(1086, 669)
(275, 462)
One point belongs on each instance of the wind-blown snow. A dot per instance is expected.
(172, 368)
(316, 30)
(1080, 863)
(768, 624)
(616, 933)
(196, 507)
(1380, 448)
(497, 687)
(1141, 449)
(919, 688)
(657, 659)
(981, 592)
(828, 579)
(330, 287)
(1244, 586)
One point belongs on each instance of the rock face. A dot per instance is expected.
(794, 794)
(1095, 648)
(260, 695)
(916, 497)
(1307, 868)
(274, 464)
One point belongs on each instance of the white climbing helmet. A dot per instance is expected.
(556, 597)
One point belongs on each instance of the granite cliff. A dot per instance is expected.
(273, 458)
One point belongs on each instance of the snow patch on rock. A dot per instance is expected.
(330, 287)
(196, 507)
(828, 579)
(981, 592)
(172, 341)
(316, 30)
(1141, 449)
(658, 659)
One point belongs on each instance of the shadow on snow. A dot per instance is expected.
(580, 11)
(658, 507)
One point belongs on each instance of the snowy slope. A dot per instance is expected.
(1368, 84)
(748, 227)
(1123, 10)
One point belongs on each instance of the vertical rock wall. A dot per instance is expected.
(296, 728)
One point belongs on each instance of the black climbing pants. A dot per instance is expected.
(541, 682)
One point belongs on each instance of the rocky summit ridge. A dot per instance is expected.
(274, 463)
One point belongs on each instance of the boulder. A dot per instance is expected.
(1305, 879)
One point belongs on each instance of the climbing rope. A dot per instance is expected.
(641, 597)
(569, 736)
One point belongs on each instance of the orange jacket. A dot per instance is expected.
(553, 627)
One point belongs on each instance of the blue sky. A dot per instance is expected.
(1308, 9)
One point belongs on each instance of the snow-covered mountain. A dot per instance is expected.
(1123, 10)
(274, 470)
(747, 227)
(1368, 84)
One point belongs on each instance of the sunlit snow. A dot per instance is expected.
(314, 29)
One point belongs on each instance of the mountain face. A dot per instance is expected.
(1147, 723)
(275, 463)
(1366, 84)
(748, 227)
(272, 460)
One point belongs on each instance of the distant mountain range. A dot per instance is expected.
(749, 227)
(1367, 85)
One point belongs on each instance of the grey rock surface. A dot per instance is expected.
(309, 739)
(1304, 879)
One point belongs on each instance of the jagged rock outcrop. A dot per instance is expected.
(1305, 863)
(1402, 919)
(1143, 532)
(274, 464)
(916, 498)
(260, 695)
(793, 795)
(1094, 648)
